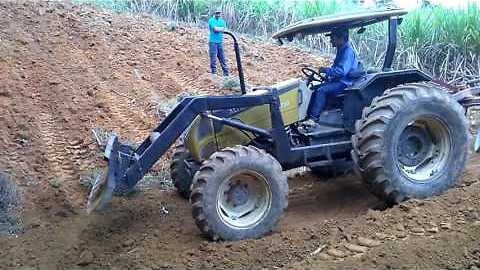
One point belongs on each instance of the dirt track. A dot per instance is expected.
(65, 70)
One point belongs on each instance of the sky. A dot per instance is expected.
(448, 3)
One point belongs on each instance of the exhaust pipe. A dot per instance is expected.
(238, 58)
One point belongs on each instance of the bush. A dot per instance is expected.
(9, 196)
(9, 202)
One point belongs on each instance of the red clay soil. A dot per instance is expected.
(66, 69)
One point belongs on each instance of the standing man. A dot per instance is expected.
(216, 26)
(337, 78)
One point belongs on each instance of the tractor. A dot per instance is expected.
(403, 134)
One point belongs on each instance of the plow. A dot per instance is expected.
(404, 134)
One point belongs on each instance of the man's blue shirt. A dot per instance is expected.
(215, 37)
(345, 61)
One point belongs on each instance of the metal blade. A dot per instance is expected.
(477, 142)
(101, 193)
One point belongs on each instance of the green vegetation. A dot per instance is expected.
(443, 41)
(10, 205)
(231, 83)
(55, 183)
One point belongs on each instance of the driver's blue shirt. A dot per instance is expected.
(345, 61)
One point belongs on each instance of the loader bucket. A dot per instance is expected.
(477, 142)
(103, 189)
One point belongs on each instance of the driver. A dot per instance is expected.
(336, 76)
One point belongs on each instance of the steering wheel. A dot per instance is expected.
(312, 75)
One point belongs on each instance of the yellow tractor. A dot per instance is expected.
(406, 136)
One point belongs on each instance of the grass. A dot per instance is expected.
(442, 41)
(55, 183)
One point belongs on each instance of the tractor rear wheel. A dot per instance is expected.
(239, 193)
(412, 142)
(180, 173)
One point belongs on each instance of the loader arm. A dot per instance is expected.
(127, 165)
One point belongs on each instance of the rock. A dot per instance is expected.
(128, 243)
(336, 253)
(405, 207)
(446, 225)
(324, 257)
(367, 242)
(165, 265)
(5, 93)
(418, 231)
(356, 248)
(381, 236)
(35, 223)
(86, 258)
(433, 229)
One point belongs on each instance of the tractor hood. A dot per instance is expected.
(326, 24)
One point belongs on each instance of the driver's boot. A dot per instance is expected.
(310, 122)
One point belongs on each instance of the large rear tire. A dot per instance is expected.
(239, 193)
(181, 174)
(412, 142)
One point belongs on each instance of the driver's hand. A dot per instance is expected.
(322, 70)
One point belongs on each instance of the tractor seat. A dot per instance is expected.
(356, 74)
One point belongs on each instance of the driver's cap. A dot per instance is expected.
(339, 32)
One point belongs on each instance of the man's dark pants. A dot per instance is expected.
(320, 95)
(216, 50)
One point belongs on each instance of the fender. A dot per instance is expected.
(362, 92)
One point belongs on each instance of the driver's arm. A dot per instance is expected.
(342, 66)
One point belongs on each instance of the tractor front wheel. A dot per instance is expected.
(412, 142)
(180, 173)
(239, 193)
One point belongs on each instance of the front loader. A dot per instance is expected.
(404, 135)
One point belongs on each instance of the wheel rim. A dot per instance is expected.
(423, 149)
(244, 199)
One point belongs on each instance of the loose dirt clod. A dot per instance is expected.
(418, 231)
(336, 253)
(356, 248)
(367, 242)
(86, 258)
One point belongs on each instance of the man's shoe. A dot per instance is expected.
(309, 123)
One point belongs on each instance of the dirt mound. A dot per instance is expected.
(67, 69)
